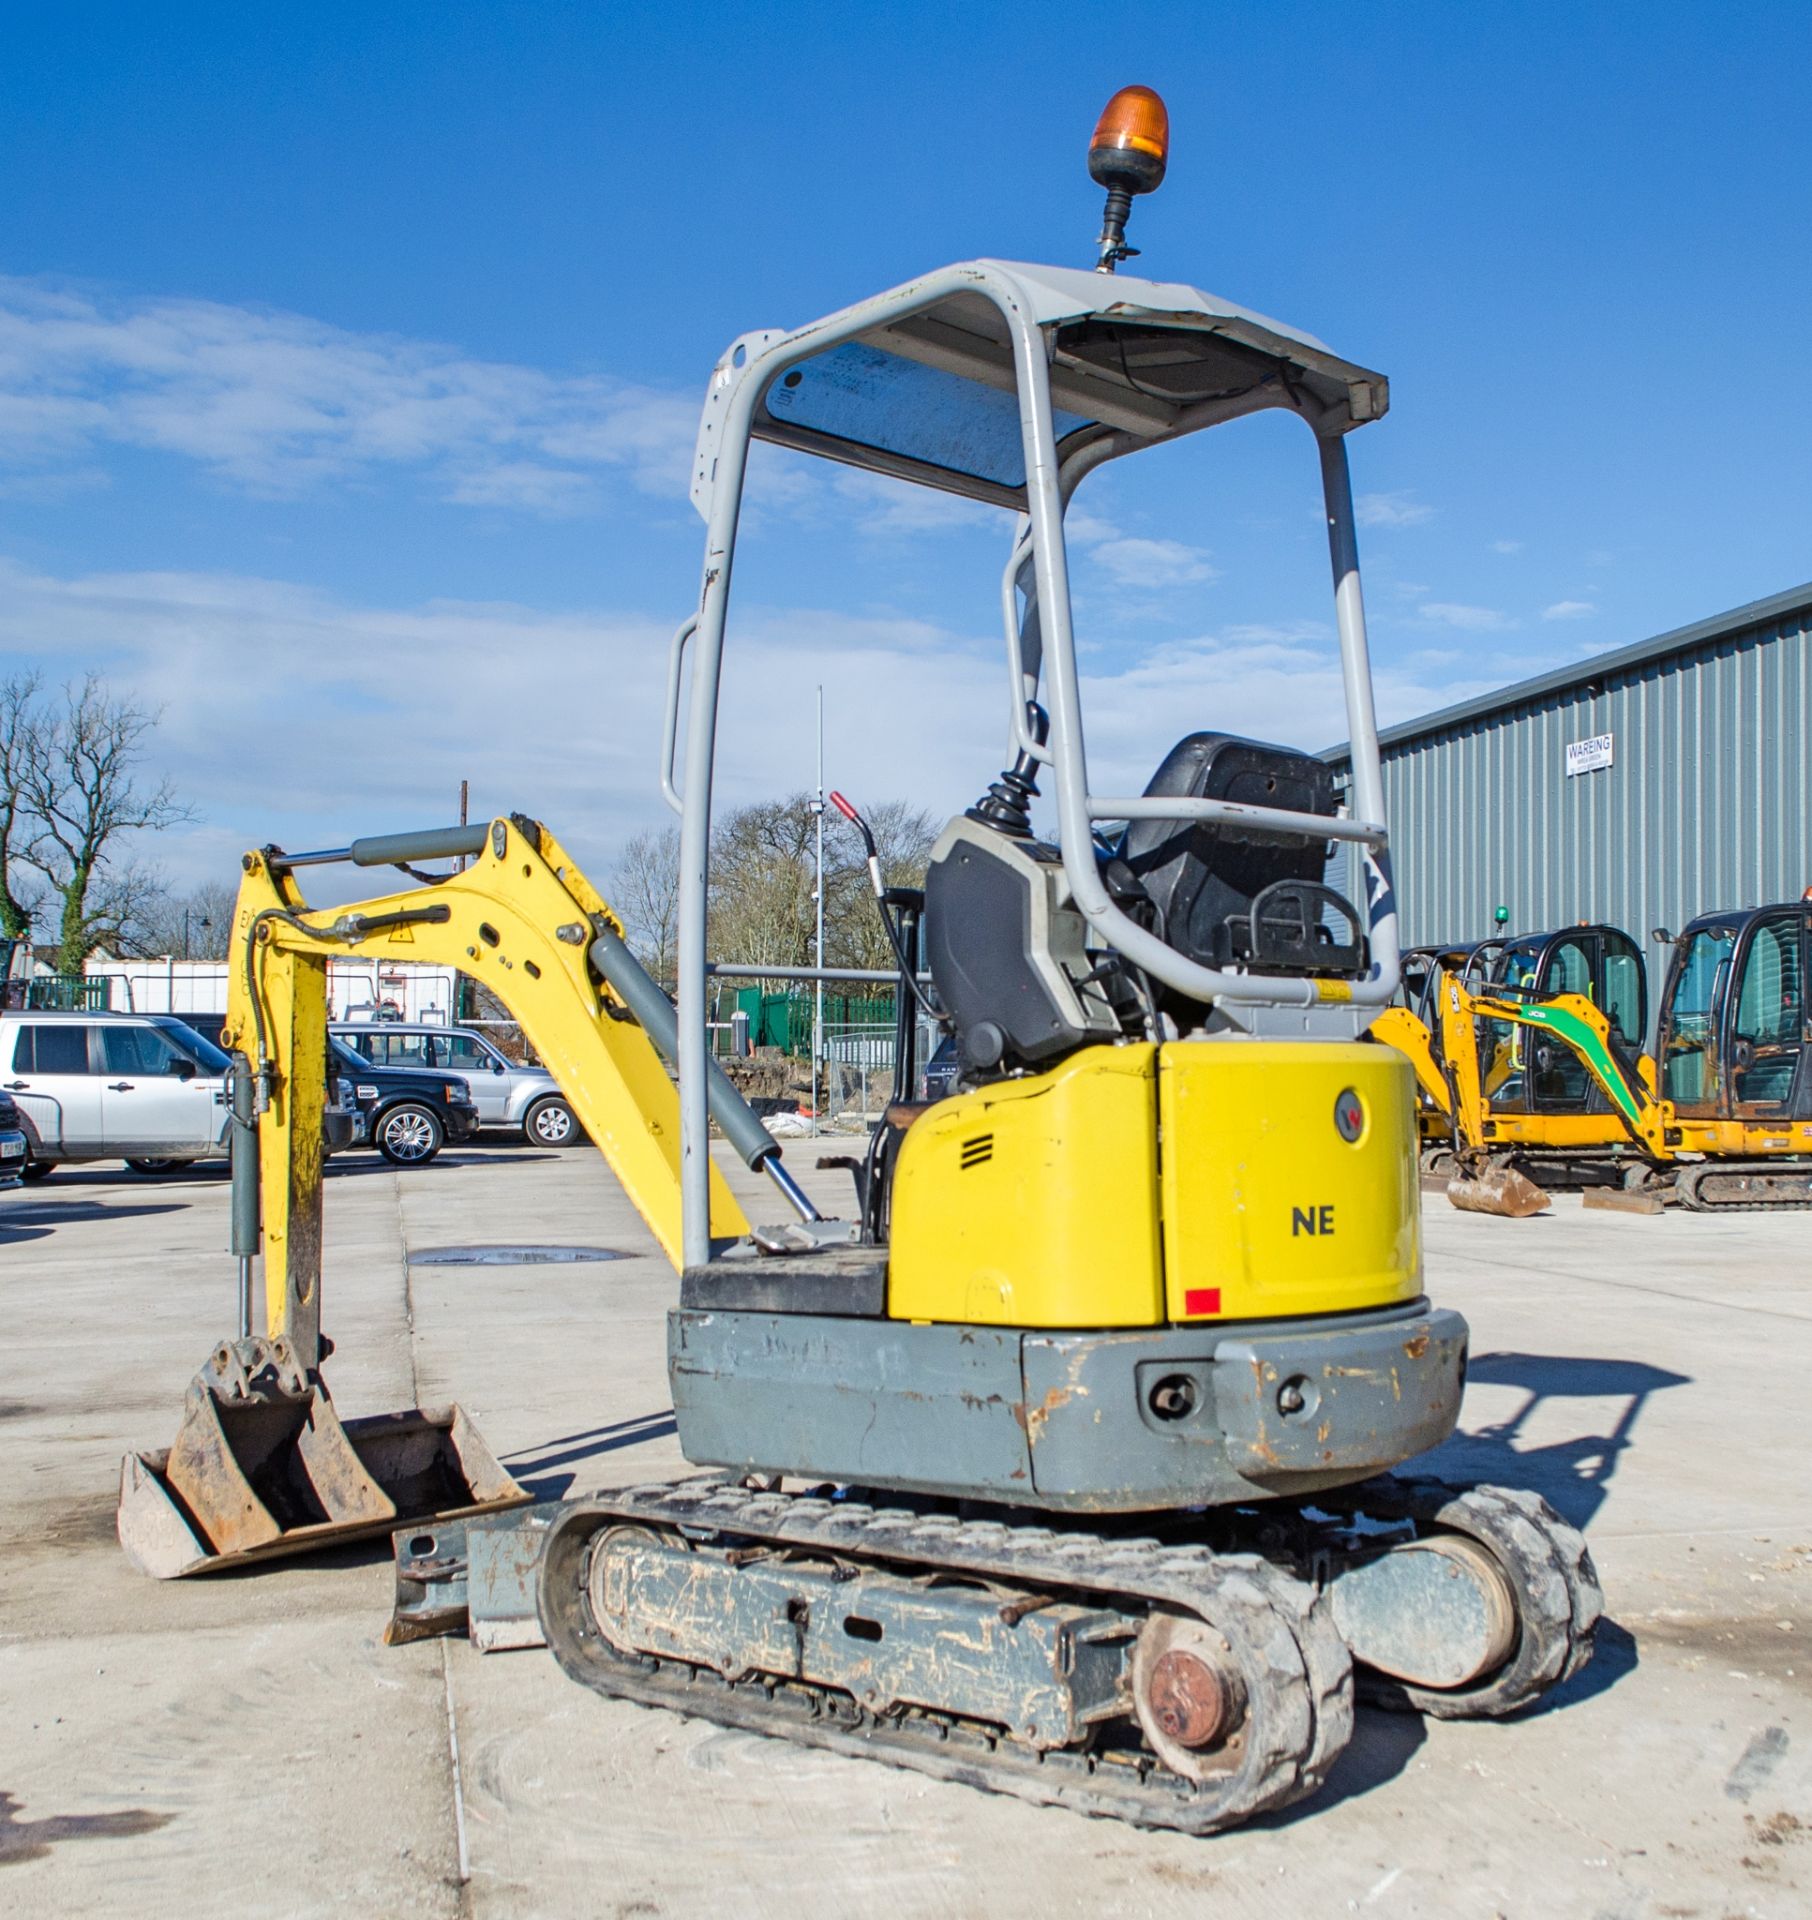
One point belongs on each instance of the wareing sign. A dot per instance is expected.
(1587, 756)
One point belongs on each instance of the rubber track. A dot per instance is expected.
(1558, 1600)
(1689, 1180)
(1293, 1650)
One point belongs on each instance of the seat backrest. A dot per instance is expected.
(1201, 876)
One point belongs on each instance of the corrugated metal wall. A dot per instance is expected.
(1708, 802)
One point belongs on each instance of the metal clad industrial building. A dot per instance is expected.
(1706, 801)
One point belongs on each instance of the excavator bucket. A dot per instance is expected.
(1499, 1190)
(263, 1467)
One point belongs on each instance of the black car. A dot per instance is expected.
(13, 1144)
(407, 1113)
(209, 1025)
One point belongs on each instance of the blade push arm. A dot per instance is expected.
(523, 920)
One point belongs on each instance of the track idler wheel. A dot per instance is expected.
(1543, 1572)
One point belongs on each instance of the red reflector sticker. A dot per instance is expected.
(1202, 1300)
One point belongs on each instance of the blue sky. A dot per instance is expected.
(350, 357)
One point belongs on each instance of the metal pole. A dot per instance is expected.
(459, 866)
(1380, 901)
(818, 990)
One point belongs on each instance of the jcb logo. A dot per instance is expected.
(1315, 1220)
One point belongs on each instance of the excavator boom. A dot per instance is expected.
(262, 1464)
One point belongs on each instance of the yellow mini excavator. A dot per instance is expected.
(1063, 1466)
(1528, 1058)
(1548, 1083)
(1538, 1091)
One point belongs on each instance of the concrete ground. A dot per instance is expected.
(246, 1743)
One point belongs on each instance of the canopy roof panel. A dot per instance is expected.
(930, 395)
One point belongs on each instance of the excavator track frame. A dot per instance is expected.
(1299, 1675)
(1268, 1569)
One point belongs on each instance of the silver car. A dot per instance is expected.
(525, 1099)
(136, 1087)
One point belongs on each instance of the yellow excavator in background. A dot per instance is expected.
(1547, 1084)
(1563, 1123)
(1062, 1467)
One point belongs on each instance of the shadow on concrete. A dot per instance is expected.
(1382, 1746)
(63, 1213)
(13, 1236)
(1571, 1474)
(1614, 1657)
(357, 1160)
(32, 1839)
(571, 1448)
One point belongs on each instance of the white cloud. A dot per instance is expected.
(1390, 510)
(1506, 546)
(1152, 563)
(1452, 613)
(1284, 687)
(295, 717)
(1082, 528)
(277, 402)
(1569, 610)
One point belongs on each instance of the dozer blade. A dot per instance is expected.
(1499, 1190)
(263, 1467)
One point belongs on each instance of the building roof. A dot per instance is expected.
(1595, 667)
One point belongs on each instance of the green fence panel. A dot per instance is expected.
(69, 993)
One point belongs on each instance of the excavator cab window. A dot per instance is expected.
(1602, 965)
(1558, 1077)
(1689, 1026)
(1625, 990)
(1504, 1046)
(1767, 1032)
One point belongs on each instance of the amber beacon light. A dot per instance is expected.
(1127, 155)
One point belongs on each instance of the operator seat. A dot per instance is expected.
(1226, 896)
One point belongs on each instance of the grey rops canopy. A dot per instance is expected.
(932, 396)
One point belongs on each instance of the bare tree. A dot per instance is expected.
(853, 935)
(196, 925)
(19, 721)
(761, 883)
(78, 788)
(644, 893)
(763, 869)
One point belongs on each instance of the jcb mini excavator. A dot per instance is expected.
(1723, 1122)
(1556, 1124)
(1529, 1062)
(1063, 1468)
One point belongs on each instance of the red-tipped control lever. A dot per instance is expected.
(847, 808)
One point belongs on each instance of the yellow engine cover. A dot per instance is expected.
(1268, 1207)
(1034, 1202)
(1137, 1185)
